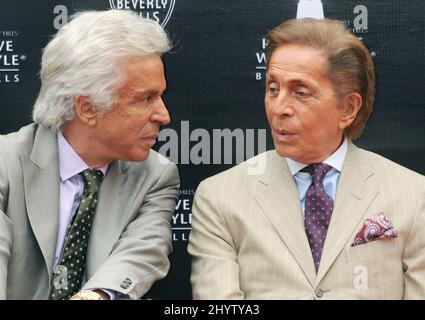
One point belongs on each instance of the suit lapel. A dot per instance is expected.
(355, 192)
(112, 210)
(279, 201)
(41, 184)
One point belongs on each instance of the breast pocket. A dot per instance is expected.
(374, 269)
(372, 250)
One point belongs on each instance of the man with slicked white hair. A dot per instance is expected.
(85, 204)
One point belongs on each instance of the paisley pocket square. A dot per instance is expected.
(375, 228)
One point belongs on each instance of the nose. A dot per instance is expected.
(160, 114)
(284, 104)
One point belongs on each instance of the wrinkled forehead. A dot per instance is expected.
(143, 75)
(297, 61)
(299, 55)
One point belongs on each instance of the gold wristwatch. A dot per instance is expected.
(88, 295)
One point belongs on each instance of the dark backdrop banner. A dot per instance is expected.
(215, 76)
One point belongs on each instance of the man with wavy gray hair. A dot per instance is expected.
(85, 204)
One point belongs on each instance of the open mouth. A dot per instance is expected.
(283, 135)
(151, 139)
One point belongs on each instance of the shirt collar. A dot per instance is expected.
(70, 163)
(336, 160)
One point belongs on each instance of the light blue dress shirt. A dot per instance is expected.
(330, 182)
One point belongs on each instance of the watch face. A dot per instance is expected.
(89, 295)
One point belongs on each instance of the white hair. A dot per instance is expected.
(83, 59)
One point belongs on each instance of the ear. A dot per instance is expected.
(84, 111)
(352, 104)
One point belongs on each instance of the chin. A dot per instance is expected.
(285, 151)
(139, 156)
(284, 154)
(281, 149)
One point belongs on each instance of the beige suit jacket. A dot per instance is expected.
(131, 233)
(248, 238)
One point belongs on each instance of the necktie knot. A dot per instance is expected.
(318, 171)
(92, 179)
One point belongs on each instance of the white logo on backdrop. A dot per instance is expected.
(157, 10)
(314, 9)
(310, 9)
(182, 218)
(10, 59)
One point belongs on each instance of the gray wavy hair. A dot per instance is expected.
(83, 59)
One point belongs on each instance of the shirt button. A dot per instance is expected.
(319, 293)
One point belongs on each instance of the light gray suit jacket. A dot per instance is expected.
(248, 238)
(131, 233)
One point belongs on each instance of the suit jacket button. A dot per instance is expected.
(319, 293)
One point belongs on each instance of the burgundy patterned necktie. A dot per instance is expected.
(318, 210)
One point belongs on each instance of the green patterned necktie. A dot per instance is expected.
(69, 273)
